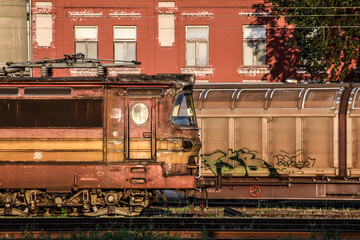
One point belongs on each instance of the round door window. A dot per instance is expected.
(139, 113)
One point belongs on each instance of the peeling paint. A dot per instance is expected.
(170, 166)
(37, 155)
(117, 142)
(116, 114)
(175, 140)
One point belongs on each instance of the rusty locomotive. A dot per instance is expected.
(280, 141)
(93, 146)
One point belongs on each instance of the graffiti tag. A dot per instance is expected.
(284, 159)
(243, 162)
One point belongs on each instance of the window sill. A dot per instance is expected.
(198, 71)
(253, 70)
(90, 72)
(302, 70)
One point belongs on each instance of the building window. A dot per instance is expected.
(197, 46)
(125, 43)
(311, 58)
(86, 41)
(254, 39)
(44, 29)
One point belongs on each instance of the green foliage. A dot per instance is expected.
(64, 212)
(122, 233)
(327, 32)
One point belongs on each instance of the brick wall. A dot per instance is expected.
(166, 53)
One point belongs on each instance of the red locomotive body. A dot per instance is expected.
(95, 145)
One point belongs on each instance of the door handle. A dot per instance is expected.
(147, 134)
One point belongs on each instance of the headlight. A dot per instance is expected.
(139, 113)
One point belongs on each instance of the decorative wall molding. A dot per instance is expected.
(116, 71)
(198, 14)
(80, 72)
(85, 14)
(125, 14)
(253, 71)
(254, 14)
(200, 72)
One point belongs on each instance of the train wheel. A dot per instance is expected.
(84, 202)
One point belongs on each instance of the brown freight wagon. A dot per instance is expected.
(280, 141)
(93, 145)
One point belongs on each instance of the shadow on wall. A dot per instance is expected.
(281, 59)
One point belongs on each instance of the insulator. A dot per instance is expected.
(50, 72)
(101, 71)
(46, 72)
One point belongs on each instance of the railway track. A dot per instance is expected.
(336, 204)
(213, 228)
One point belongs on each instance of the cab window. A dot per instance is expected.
(183, 113)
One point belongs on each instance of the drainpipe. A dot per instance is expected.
(30, 50)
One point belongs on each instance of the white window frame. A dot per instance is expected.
(255, 39)
(197, 42)
(86, 40)
(125, 41)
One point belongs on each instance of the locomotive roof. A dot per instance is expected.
(123, 79)
(79, 61)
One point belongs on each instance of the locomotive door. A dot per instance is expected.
(140, 129)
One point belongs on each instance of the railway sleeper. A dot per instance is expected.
(86, 202)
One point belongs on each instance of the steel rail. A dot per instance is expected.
(213, 228)
(185, 223)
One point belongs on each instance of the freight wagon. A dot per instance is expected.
(280, 141)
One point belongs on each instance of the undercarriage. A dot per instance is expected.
(85, 202)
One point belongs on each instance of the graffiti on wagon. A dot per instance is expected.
(240, 162)
(244, 162)
(284, 159)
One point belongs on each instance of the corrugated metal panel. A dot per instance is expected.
(283, 131)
